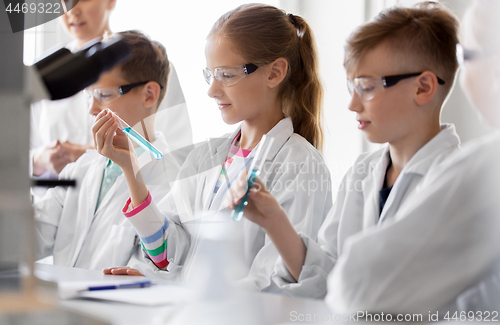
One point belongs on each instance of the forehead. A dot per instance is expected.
(220, 52)
(382, 60)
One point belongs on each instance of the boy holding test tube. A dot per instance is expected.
(83, 226)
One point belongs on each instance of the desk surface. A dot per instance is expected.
(239, 308)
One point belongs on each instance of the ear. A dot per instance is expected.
(278, 71)
(427, 85)
(151, 93)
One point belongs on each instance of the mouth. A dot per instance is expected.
(223, 106)
(76, 25)
(363, 124)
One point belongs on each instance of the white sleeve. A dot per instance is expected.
(165, 241)
(440, 243)
(321, 255)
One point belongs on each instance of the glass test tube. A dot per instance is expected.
(137, 138)
(257, 163)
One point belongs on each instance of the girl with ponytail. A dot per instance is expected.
(262, 71)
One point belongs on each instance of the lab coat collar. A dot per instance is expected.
(281, 132)
(425, 157)
(419, 165)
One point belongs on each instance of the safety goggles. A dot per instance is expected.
(106, 96)
(369, 87)
(228, 76)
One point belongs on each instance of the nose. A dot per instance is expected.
(355, 105)
(215, 89)
(75, 11)
(95, 107)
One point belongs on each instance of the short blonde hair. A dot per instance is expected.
(148, 62)
(426, 34)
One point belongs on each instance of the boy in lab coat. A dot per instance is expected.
(400, 69)
(441, 256)
(82, 226)
(60, 130)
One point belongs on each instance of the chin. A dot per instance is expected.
(374, 139)
(230, 120)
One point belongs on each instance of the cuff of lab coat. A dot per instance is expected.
(313, 276)
(145, 218)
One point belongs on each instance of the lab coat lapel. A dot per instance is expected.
(396, 195)
(281, 132)
(111, 192)
(371, 187)
(418, 166)
(233, 172)
(218, 155)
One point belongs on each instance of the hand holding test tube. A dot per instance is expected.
(257, 163)
(137, 138)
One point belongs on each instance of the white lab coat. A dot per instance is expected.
(439, 244)
(357, 208)
(69, 120)
(292, 170)
(68, 226)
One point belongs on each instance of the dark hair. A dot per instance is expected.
(148, 62)
(262, 34)
(426, 34)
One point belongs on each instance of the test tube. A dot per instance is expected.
(257, 163)
(137, 138)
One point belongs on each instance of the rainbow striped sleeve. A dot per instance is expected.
(152, 227)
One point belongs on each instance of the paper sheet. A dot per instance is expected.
(155, 295)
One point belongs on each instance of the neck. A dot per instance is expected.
(81, 42)
(253, 130)
(403, 150)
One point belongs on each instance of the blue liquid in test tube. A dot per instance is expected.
(137, 138)
(258, 162)
(238, 210)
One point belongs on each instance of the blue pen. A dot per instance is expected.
(142, 284)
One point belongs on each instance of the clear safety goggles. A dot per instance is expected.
(369, 87)
(228, 76)
(106, 96)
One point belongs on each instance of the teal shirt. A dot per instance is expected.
(111, 173)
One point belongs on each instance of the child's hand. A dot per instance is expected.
(110, 141)
(262, 208)
(122, 270)
(55, 157)
(49, 158)
(73, 150)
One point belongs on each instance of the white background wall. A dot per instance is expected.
(182, 27)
